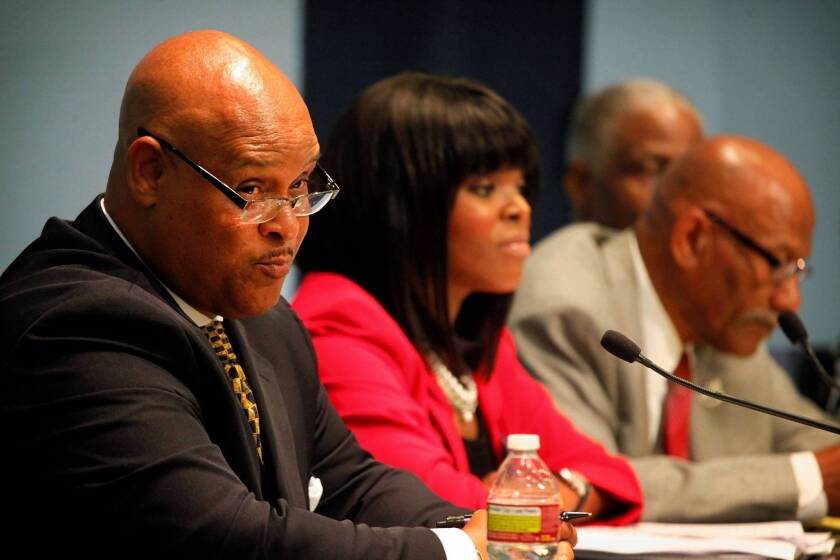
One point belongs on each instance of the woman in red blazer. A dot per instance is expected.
(409, 277)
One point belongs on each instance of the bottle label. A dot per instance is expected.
(522, 524)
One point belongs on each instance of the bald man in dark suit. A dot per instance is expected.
(155, 401)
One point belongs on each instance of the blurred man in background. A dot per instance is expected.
(621, 140)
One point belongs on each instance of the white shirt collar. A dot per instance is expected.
(659, 339)
(197, 317)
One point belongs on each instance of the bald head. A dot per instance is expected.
(205, 82)
(225, 106)
(724, 241)
(748, 179)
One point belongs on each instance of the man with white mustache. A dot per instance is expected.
(699, 282)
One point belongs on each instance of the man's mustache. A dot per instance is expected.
(767, 318)
(282, 252)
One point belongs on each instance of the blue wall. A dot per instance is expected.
(765, 68)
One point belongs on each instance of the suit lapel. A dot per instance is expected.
(281, 467)
(709, 417)
(632, 394)
(441, 415)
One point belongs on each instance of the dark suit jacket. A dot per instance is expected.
(121, 435)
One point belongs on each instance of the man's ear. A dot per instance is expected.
(145, 168)
(690, 238)
(578, 183)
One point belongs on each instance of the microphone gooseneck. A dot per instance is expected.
(793, 328)
(795, 332)
(620, 346)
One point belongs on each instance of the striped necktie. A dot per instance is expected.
(215, 331)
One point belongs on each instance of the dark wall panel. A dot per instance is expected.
(530, 52)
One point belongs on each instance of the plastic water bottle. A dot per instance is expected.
(523, 506)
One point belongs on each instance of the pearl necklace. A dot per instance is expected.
(460, 391)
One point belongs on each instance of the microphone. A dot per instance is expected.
(795, 332)
(622, 347)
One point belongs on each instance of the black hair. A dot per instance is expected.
(399, 152)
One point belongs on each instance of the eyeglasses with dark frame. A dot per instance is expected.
(781, 271)
(261, 210)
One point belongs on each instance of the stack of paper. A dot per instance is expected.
(783, 540)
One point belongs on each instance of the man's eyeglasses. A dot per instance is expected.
(258, 211)
(781, 272)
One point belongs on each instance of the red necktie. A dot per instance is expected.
(678, 413)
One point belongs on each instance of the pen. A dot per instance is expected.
(458, 521)
(572, 515)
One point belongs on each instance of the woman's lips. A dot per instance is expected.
(518, 246)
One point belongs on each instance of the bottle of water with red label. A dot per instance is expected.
(523, 506)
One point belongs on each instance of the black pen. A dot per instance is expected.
(572, 515)
(458, 521)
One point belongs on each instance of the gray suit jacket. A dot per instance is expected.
(580, 282)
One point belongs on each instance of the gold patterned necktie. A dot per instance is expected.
(221, 345)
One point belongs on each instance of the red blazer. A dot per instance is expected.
(382, 388)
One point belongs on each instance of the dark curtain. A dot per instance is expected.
(530, 52)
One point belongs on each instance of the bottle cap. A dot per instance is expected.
(523, 442)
